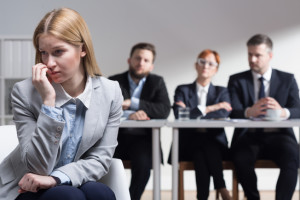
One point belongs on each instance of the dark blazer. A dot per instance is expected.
(188, 95)
(283, 88)
(154, 98)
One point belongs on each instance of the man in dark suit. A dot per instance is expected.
(252, 93)
(145, 97)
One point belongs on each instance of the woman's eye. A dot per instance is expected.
(43, 52)
(58, 52)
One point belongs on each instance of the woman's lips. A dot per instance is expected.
(53, 73)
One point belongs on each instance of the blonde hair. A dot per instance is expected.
(67, 25)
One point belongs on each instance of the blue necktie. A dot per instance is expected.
(261, 93)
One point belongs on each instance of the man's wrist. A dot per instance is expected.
(247, 115)
(57, 180)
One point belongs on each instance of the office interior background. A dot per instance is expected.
(179, 30)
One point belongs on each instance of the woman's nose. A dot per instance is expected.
(206, 65)
(50, 62)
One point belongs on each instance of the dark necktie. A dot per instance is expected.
(261, 93)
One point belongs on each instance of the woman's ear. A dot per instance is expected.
(196, 66)
(83, 51)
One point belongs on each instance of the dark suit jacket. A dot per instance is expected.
(154, 98)
(283, 88)
(188, 95)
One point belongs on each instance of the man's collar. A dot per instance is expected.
(132, 82)
(266, 75)
(200, 87)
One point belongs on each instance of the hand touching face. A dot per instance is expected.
(61, 63)
(62, 59)
(42, 83)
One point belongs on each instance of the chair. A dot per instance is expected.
(185, 165)
(115, 178)
(8, 140)
(127, 164)
(265, 164)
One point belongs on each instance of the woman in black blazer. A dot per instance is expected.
(205, 147)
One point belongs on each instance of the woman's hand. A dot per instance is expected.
(33, 182)
(181, 104)
(222, 105)
(43, 84)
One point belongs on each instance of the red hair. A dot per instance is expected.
(206, 52)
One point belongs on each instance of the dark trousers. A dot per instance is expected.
(88, 191)
(208, 162)
(207, 154)
(281, 148)
(136, 148)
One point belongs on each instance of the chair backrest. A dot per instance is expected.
(116, 179)
(8, 140)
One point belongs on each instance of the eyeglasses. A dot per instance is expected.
(202, 62)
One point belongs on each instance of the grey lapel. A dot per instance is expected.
(91, 118)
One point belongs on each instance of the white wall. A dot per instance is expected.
(180, 30)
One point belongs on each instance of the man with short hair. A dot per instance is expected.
(252, 93)
(145, 97)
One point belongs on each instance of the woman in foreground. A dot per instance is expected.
(67, 118)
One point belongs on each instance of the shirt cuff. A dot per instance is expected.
(135, 103)
(126, 113)
(287, 112)
(53, 112)
(202, 110)
(64, 179)
(245, 113)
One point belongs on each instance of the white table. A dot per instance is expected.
(236, 123)
(156, 157)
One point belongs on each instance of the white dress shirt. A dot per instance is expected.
(202, 96)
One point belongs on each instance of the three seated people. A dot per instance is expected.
(248, 95)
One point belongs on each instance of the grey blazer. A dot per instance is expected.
(39, 136)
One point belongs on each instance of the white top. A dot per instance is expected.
(202, 96)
